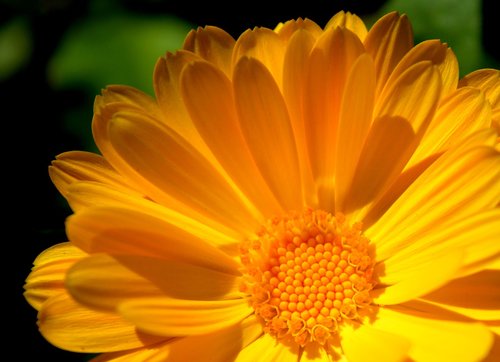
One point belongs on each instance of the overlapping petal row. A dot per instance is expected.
(339, 118)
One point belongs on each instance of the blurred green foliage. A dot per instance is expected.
(15, 46)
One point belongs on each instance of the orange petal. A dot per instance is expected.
(49, 271)
(70, 326)
(267, 129)
(488, 81)
(105, 281)
(174, 169)
(348, 21)
(176, 317)
(328, 67)
(389, 39)
(158, 352)
(126, 231)
(267, 348)
(212, 44)
(209, 98)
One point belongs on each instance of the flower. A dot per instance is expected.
(296, 194)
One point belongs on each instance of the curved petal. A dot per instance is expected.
(354, 124)
(49, 271)
(389, 39)
(119, 230)
(327, 69)
(480, 301)
(435, 337)
(266, 127)
(410, 279)
(459, 184)
(74, 166)
(178, 317)
(267, 348)
(288, 29)
(105, 281)
(459, 115)
(175, 169)
(86, 194)
(395, 133)
(488, 81)
(212, 44)
(348, 21)
(70, 326)
(208, 96)
(152, 353)
(264, 45)
(365, 343)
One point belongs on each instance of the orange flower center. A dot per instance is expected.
(306, 273)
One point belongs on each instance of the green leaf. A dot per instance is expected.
(15, 46)
(117, 49)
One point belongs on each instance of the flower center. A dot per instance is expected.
(306, 273)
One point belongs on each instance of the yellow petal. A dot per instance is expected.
(49, 271)
(460, 183)
(163, 159)
(263, 45)
(220, 346)
(354, 124)
(462, 113)
(476, 296)
(389, 39)
(104, 281)
(433, 337)
(124, 231)
(212, 44)
(85, 194)
(328, 67)
(68, 325)
(409, 279)
(349, 21)
(395, 133)
(294, 72)
(483, 228)
(364, 343)
(267, 129)
(208, 96)
(74, 166)
(289, 28)
(267, 348)
(177, 317)
(440, 55)
(488, 81)
(153, 353)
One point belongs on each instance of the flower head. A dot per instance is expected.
(302, 194)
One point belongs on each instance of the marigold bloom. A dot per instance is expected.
(296, 194)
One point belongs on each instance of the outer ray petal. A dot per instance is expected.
(209, 98)
(416, 277)
(104, 281)
(395, 133)
(267, 348)
(288, 29)
(162, 158)
(487, 80)
(213, 44)
(177, 317)
(459, 115)
(68, 325)
(457, 185)
(433, 336)
(365, 343)
(125, 231)
(264, 45)
(86, 194)
(74, 166)
(267, 129)
(354, 124)
(152, 353)
(348, 21)
(328, 66)
(49, 271)
(473, 296)
(390, 38)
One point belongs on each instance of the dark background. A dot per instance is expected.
(34, 131)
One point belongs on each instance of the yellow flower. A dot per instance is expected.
(296, 194)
